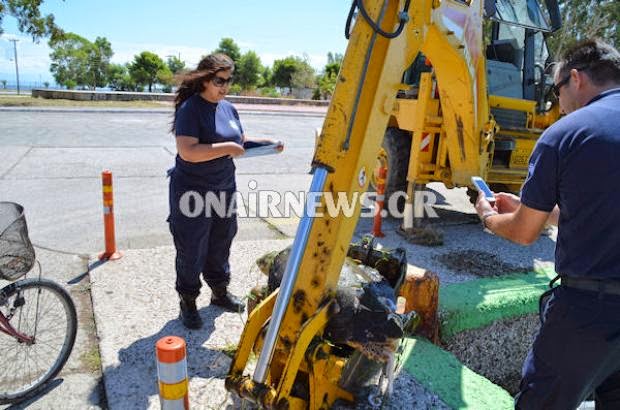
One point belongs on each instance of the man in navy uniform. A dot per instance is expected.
(574, 183)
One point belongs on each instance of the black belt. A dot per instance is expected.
(608, 286)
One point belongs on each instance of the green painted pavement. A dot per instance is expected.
(455, 384)
(478, 303)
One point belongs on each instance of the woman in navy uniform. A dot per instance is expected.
(208, 136)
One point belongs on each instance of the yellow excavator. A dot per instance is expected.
(474, 102)
(458, 104)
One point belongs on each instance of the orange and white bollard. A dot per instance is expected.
(172, 373)
(380, 201)
(108, 219)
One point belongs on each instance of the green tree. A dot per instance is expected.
(119, 78)
(175, 64)
(3, 83)
(230, 48)
(327, 85)
(266, 79)
(284, 69)
(29, 19)
(334, 61)
(248, 71)
(99, 61)
(71, 60)
(583, 19)
(166, 78)
(145, 69)
(334, 58)
(327, 80)
(304, 76)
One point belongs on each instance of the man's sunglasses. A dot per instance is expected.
(556, 87)
(221, 81)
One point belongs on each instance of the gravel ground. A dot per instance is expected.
(504, 341)
(406, 390)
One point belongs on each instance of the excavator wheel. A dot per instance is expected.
(397, 146)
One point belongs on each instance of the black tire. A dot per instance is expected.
(397, 145)
(47, 305)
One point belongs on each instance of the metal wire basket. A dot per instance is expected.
(16, 252)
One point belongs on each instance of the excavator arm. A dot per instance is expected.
(285, 329)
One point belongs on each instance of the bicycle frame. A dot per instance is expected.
(7, 328)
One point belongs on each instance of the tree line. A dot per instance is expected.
(78, 63)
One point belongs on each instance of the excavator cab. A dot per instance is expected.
(517, 76)
(517, 53)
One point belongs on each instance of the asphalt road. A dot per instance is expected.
(52, 162)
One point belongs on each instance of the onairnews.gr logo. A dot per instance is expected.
(273, 204)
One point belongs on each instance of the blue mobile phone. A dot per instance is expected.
(482, 186)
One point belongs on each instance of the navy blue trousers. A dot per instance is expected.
(202, 242)
(575, 353)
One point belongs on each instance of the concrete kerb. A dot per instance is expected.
(86, 95)
(472, 306)
(253, 110)
(478, 303)
(456, 385)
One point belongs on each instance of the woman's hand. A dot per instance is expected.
(233, 149)
(279, 145)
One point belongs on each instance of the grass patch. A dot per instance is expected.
(229, 349)
(28, 101)
(91, 360)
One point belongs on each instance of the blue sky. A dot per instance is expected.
(273, 29)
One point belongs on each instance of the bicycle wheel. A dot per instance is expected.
(44, 311)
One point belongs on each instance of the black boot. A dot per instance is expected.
(189, 314)
(221, 297)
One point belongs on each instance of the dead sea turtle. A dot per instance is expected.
(366, 317)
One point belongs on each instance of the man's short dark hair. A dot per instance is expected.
(599, 60)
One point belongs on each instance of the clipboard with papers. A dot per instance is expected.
(256, 149)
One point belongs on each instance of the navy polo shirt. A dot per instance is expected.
(210, 123)
(576, 165)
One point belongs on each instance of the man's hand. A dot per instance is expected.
(506, 203)
(511, 219)
(484, 207)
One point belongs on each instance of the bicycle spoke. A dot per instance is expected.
(47, 314)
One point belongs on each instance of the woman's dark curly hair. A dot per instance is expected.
(193, 82)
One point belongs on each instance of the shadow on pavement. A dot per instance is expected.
(32, 400)
(81, 276)
(130, 384)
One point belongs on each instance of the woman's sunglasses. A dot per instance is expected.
(221, 81)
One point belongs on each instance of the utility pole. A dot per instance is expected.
(16, 65)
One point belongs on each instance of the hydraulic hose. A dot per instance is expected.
(402, 16)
